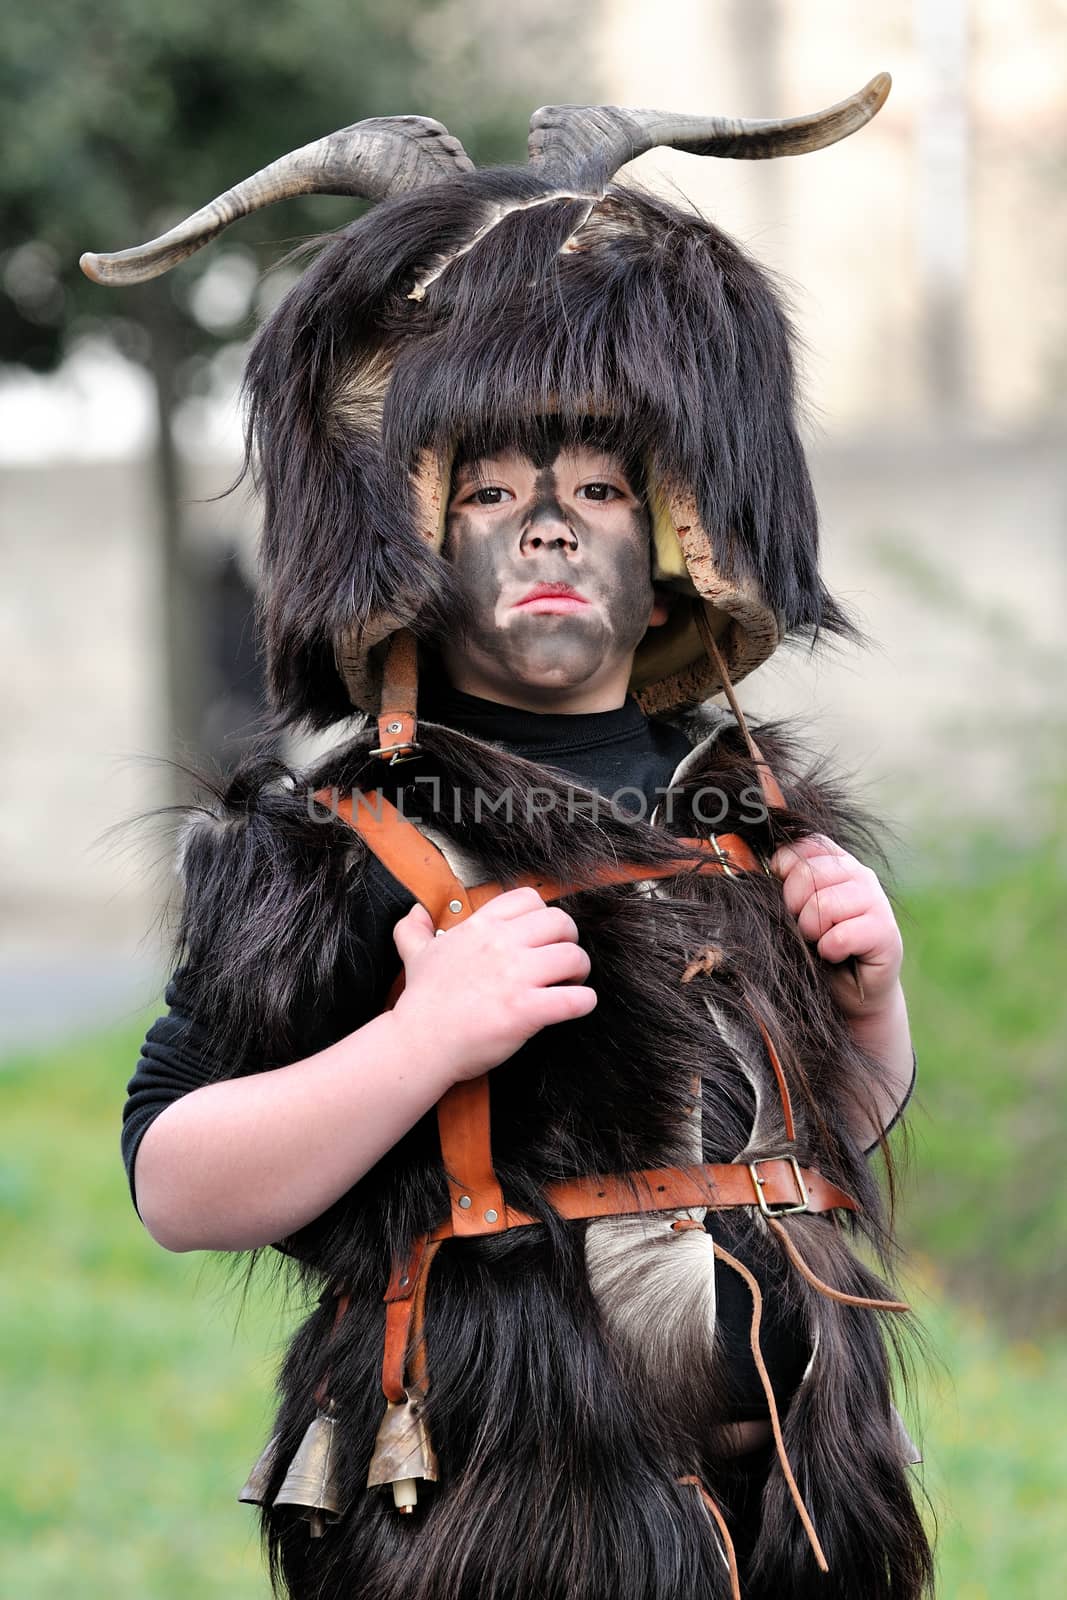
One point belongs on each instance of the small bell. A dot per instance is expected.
(403, 1453)
(909, 1450)
(255, 1490)
(311, 1480)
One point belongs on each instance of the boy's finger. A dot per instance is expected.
(813, 847)
(810, 878)
(513, 903)
(832, 904)
(414, 931)
(856, 936)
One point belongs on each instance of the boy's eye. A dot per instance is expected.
(598, 491)
(490, 495)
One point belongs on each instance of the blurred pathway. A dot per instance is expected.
(44, 999)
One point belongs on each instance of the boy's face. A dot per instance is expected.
(553, 560)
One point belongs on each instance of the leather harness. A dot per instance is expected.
(478, 1205)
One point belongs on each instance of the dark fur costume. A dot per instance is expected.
(566, 1397)
(558, 1454)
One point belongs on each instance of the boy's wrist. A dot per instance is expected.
(884, 1031)
(888, 1010)
(420, 1050)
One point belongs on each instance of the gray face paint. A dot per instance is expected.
(550, 533)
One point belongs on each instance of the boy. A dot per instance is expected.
(564, 1154)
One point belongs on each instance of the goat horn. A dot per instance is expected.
(370, 160)
(585, 146)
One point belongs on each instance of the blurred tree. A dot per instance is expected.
(123, 116)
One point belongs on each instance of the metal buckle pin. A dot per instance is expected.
(721, 856)
(394, 752)
(780, 1208)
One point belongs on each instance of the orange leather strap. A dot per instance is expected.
(405, 1301)
(727, 853)
(397, 720)
(719, 1186)
(406, 853)
(466, 1149)
(463, 1112)
(423, 870)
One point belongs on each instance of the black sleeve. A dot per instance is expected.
(177, 1056)
(175, 1059)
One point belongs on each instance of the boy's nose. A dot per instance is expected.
(545, 528)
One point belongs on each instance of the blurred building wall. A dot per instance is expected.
(81, 701)
(947, 207)
(923, 259)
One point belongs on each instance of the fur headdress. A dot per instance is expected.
(467, 303)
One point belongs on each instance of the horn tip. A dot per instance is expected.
(94, 267)
(879, 88)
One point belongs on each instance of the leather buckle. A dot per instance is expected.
(394, 751)
(779, 1208)
(721, 857)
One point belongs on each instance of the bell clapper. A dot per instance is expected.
(405, 1495)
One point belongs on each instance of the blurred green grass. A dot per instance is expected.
(985, 933)
(134, 1400)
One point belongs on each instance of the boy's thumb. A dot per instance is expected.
(413, 932)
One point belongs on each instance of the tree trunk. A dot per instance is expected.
(180, 606)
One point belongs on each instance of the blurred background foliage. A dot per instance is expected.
(134, 1397)
(126, 117)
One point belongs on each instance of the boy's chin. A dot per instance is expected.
(550, 673)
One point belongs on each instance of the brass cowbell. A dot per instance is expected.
(254, 1492)
(311, 1481)
(403, 1453)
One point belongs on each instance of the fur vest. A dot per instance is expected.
(575, 1375)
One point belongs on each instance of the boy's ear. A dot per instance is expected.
(661, 607)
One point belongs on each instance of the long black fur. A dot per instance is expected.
(557, 1468)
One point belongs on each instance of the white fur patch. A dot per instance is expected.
(655, 1290)
(768, 1127)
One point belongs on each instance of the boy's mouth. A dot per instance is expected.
(551, 597)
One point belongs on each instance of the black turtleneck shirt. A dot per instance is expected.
(609, 751)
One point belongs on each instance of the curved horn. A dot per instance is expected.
(586, 145)
(371, 160)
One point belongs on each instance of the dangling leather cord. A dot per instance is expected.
(720, 1522)
(322, 1391)
(761, 1367)
(772, 1404)
(779, 1070)
(824, 1288)
(772, 794)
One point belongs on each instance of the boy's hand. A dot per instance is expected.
(478, 992)
(842, 908)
